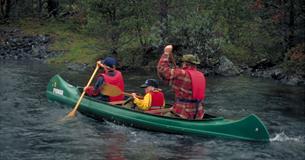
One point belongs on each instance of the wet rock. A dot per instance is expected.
(76, 66)
(262, 64)
(226, 67)
(277, 74)
(245, 69)
(207, 71)
(293, 80)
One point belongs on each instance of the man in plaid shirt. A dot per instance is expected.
(187, 83)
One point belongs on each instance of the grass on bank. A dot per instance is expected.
(75, 46)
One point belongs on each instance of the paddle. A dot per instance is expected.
(138, 96)
(129, 94)
(110, 90)
(173, 59)
(73, 112)
(123, 102)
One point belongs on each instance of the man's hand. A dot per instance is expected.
(85, 88)
(99, 63)
(168, 49)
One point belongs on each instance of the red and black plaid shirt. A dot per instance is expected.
(181, 84)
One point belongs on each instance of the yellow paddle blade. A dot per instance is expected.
(110, 90)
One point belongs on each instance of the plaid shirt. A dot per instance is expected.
(181, 84)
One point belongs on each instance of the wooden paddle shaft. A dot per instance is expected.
(173, 59)
(83, 93)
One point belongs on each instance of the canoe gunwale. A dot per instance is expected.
(138, 111)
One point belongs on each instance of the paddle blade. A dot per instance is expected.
(71, 114)
(68, 117)
(110, 90)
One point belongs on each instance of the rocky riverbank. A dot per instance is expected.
(262, 69)
(14, 44)
(278, 74)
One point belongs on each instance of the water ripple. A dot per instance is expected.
(282, 137)
(29, 127)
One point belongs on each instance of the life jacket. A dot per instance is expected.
(198, 84)
(198, 89)
(157, 101)
(118, 81)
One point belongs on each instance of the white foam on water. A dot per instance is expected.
(282, 137)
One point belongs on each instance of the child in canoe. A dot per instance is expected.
(153, 99)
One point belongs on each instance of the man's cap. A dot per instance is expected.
(150, 82)
(110, 62)
(190, 59)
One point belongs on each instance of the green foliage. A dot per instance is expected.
(238, 54)
(196, 34)
(124, 27)
(295, 62)
(110, 19)
(253, 44)
(79, 49)
(292, 67)
(134, 31)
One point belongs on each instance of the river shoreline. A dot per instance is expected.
(15, 45)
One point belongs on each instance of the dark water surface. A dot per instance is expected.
(29, 127)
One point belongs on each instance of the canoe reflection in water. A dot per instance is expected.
(115, 146)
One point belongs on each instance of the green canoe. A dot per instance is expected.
(248, 128)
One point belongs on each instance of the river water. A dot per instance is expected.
(29, 126)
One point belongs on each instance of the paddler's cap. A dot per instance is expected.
(150, 82)
(110, 62)
(190, 59)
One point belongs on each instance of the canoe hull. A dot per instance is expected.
(248, 128)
